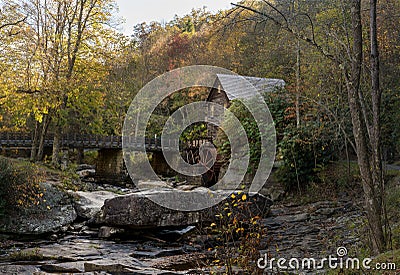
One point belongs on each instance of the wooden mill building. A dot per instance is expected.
(230, 87)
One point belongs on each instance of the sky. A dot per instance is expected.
(138, 11)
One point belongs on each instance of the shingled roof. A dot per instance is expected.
(235, 87)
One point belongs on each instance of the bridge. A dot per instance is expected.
(110, 161)
(24, 140)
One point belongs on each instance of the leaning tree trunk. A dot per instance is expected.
(56, 160)
(35, 142)
(42, 138)
(364, 142)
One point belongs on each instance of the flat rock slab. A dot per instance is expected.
(125, 267)
(90, 256)
(18, 269)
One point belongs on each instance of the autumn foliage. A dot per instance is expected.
(19, 186)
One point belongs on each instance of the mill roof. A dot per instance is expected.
(235, 87)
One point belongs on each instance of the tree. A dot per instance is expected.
(365, 117)
(59, 37)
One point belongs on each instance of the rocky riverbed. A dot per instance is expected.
(113, 233)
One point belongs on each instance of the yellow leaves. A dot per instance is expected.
(213, 224)
(243, 197)
(48, 207)
(240, 229)
(255, 220)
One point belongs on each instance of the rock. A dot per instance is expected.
(54, 237)
(173, 235)
(287, 218)
(70, 267)
(187, 187)
(180, 262)
(137, 211)
(19, 269)
(124, 267)
(54, 211)
(327, 211)
(157, 253)
(144, 185)
(85, 167)
(107, 232)
(86, 173)
(108, 266)
(78, 255)
(77, 226)
(89, 204)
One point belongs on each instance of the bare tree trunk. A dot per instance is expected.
(296, 7)
(35, 142)
(45, 126)
(376, 113)
(366, 136)
(80, 155)
(298, 83)
(367, 169)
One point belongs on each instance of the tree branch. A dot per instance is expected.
(278, 11)
(312, 25)
(336, 119)
(13, 23)
(308, 40)
(29, 91)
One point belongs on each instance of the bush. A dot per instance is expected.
(90, 157)
(304, 151)
(278, 103)
(239, 235)
(19, 186)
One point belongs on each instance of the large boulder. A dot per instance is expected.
(138, 211)
(88, 204)
(53, 212)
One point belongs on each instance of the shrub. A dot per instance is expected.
(19, 185)
(90, 157)
(304, 151)
(239, 235)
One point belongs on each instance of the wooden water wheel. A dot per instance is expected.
(205, 156)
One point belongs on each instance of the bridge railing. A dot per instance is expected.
(20, 139)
